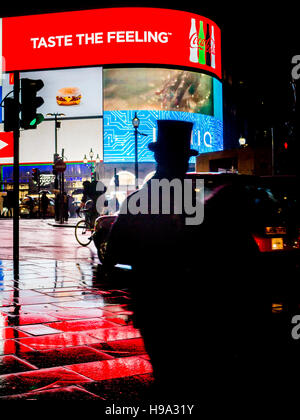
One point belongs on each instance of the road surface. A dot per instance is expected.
(38, 239)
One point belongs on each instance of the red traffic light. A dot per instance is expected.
(35, 173)
(286, 145)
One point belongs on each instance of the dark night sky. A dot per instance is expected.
(258, 41)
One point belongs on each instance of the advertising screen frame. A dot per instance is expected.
(217, 73)
(164, 115)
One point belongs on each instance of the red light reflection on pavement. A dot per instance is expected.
(116, 368)
(67, 339)
(39, 379)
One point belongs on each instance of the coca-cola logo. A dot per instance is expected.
(194, 41)
(203, 44)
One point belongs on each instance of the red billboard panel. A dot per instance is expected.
(6, 145)
(133, 35)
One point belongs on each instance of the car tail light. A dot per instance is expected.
(276, 244)
(264, 244)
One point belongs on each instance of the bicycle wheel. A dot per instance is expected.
(83, 233)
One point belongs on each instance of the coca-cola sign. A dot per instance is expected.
(128, 35)
(207, 44)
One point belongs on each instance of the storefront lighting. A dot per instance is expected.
(85, 159)
(97, 158)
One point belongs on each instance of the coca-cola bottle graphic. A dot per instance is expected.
(201, 42)
(207, 45)
(193, 42)
(213, 47)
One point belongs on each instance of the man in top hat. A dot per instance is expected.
(155, 246)
(190, 300)
(172, 153)
(172, 148)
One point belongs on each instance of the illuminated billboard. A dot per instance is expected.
(158, 94)
(160, 63)
(126, 35)
(72, 92)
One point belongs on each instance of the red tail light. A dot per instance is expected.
(264, 244)
(277, 243)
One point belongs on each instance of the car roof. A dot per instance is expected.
(223, 177)
(232, 177)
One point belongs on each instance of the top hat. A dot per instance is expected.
(173, 136)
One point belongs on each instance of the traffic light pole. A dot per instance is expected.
(55, 151)
(272, 147)
(136, 162)
(16, 170)
(62, 190)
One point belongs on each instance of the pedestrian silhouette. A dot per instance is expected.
(9, 203)
(44, 204)
(66, 206)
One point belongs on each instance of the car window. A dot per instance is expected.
(278, 204)
(272, 201)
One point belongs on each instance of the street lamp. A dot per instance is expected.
(92, 167)
(242, 142)
(56, 115)
(91, 154)
(136, 123)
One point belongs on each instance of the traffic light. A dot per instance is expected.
(11, 114)
(93, 176)
(30, 102)
(35, 174)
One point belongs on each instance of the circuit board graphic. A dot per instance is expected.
(118, 133)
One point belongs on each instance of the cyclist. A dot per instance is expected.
(89, 199)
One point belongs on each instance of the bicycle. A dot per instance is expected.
(85, 229)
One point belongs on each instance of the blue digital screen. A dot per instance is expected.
(174, 95)
(119, 133)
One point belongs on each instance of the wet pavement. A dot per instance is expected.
(65, 332)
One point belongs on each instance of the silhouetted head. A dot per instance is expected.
(172, 148)
(86, 186)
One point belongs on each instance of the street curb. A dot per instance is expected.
(57, 224)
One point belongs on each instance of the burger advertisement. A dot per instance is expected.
(68, 96)
(76, 93)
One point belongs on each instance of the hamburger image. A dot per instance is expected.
(68, 96)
